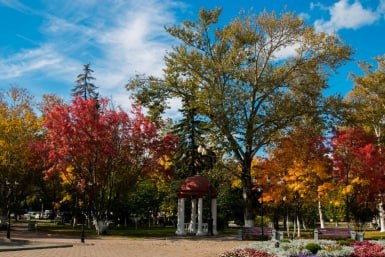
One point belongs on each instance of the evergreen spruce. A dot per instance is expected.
(84, 86)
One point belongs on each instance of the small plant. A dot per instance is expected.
(313, 247)
(246, 252)
(346, 242)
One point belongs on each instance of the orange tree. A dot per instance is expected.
(299, 173)
(100, 152)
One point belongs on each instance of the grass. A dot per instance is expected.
(131, 232)
(155, 231)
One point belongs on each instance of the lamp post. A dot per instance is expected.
(42, 208)
(260, 190)
(85, 211)
(11, 187)
(210, 157)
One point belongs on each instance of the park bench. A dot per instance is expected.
(248, 233)
(332, 233)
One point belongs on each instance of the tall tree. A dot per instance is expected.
(358, 168)
(300, 171)
(19, 126)
(368, 98)
(101, 153)
(84, 84)
(190, 130)
(246, 87)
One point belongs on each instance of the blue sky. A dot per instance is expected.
(44, 44)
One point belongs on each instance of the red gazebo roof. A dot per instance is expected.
(196, 186)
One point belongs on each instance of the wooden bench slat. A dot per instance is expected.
(334, 233)
(255, 232)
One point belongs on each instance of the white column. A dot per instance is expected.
(214, 215)
(200, 217)
(180, 227)
(193, 221)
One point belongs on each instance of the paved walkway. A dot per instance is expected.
(60, 246)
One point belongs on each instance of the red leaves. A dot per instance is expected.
(98, 141)
(357, 153)
(358, 162)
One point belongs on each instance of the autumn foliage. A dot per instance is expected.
(100, 147)
(358, 167)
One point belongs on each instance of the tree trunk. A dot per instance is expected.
(321, 217)
(249, 215)
(248, 194)
(381, 216)
(101, 226)
(298, 227)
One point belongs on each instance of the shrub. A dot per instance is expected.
(246, 252)
(346, 242)
(313, 247)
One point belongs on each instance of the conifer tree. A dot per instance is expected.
(84, 84)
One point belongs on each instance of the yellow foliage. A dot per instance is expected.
(66, 198)
(356, 180)
(68, 176)
(165, 162)
(336, 203)
(236, 183)
(347, 190)
(360, 181)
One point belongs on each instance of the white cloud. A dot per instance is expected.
(118, 38)
(14, 4)
(346, 15)
(28, 61)
(287, 51)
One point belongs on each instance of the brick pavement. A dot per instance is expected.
(119, 247)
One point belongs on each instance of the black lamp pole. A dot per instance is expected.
(204, 152)
(210, 220)
(9, 203)
(85, 211)
(82, 234)
(9, 216)
(260, 190)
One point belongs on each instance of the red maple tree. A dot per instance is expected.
(100, 150)
(358, 169)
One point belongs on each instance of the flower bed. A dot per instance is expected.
(310, 248)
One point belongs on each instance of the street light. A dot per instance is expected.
(211, 158)
(82, 234)
(11, 187)
(260, 190)
(42, 208)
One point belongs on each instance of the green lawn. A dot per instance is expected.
(145, 231)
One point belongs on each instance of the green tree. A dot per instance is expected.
(190, 130)
(367, 98)
(244, 84)
(84, 85)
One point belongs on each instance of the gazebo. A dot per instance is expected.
(197, 187)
